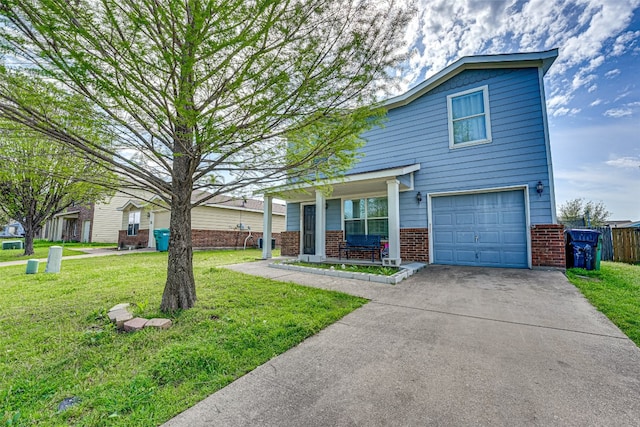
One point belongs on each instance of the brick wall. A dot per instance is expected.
(141, 240)
(290, 243)
(332, 242)
(414, 244)
(547, 246)
(201, 239)
(227, 238)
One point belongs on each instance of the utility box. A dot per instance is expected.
(12, 244)
(582, 249)
(54, 260)
(162, 239)
(32, 266)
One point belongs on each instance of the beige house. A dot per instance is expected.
(97, 222)
(222, 222)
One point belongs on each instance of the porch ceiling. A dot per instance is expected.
(349, 185)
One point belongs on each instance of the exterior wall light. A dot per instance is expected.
(539, 188)
(419, 197)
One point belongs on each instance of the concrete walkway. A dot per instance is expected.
(448, 346)
(89, 252)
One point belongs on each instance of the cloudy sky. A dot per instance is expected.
(593, 88)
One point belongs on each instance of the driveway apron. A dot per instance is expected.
(448, 346)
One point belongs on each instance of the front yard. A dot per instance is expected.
(615, 291)
(57, 343)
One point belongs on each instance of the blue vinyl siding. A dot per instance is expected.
(418, 133)
(334, 212)
(293, 216)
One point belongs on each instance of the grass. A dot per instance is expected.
(615, 291)
(56, 341)
(356, 268)
(41, 250)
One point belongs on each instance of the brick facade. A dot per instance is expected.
(227, 239)
(547, 246)
(414, 244)
(141, 240)
(72, 228)
(332, 243)
(201, 239)
(290, 243)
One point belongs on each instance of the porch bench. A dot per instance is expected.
(360, 243)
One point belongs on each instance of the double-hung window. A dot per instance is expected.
(469, 120)
(367, 216)
(134, 223)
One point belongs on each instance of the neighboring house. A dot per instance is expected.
(222, 222)
(94, 222)
(13, 229)
(460, 174)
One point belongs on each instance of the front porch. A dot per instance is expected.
(365, 203)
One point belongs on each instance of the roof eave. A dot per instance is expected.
(542, 59)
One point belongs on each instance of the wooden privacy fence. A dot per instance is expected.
(626, 244)
(606, 251)
(620, 244)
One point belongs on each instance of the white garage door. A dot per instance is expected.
(484, 229)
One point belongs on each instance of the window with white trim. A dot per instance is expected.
(134, 223)
(367, 216)
(469, 120)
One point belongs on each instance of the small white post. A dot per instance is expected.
(54, 260)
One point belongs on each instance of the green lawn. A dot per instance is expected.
(56, 341)
(615, 291)
(41, 250)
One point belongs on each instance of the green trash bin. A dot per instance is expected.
(599, 252)
(162, 239)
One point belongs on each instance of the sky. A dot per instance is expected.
(592, 90)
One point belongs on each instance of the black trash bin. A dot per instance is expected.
(582, 248)
(273, 243)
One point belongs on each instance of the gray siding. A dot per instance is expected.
(418, 133)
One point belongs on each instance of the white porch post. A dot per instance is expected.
(266, 227)
(393, 199)
(321, 227)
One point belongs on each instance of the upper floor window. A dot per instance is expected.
(366, 216)
(134, 223)
(469, 121)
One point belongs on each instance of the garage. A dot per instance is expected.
(480, 229)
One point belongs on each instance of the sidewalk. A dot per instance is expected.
(89, 253)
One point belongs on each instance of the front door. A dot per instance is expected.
(86, 230)
(309, 230)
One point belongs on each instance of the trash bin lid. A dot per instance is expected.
(581, 235)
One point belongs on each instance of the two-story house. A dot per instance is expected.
(460, 174)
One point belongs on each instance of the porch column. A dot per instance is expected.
(393, 199)
(266, 227)
(321, 227)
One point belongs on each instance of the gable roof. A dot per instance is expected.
(542, 59)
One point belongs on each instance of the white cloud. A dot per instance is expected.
(624, 162)
(585, 31)
(624, 42)
(592, 88)
(618, 112)
(622, 95)
(596, 102)
(563, 111)
(612, 73)
(633, 104)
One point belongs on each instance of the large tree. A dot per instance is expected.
(220, 95)
(39, 176)
(579, 210)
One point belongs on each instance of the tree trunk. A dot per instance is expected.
(28, 238)
(180, 289)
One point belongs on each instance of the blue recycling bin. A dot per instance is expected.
(162, 239)
(582, 248)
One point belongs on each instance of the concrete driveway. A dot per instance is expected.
(449, 346)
